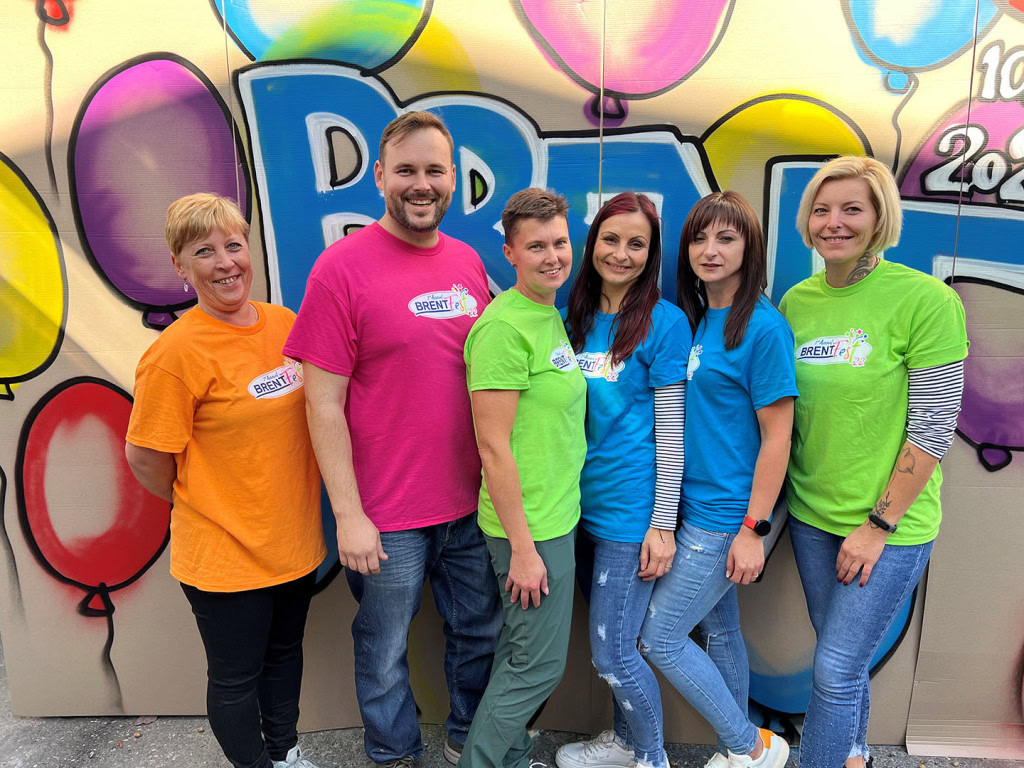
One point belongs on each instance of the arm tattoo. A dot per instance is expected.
(906, 463)
(862, 268)
(882, 505)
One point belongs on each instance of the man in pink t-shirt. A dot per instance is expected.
(381, 333)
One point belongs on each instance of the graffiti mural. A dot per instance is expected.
(280, 105)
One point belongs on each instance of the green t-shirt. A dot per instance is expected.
(520, 344)
(854, 346)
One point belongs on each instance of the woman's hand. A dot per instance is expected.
(860, 551)
(527, 578)
(746, 557)
(657, 553)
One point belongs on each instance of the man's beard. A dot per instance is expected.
(396, 208)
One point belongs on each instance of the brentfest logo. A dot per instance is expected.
(598, 365)
(852, 348)
(278, 382)
(562, 357)
(694, 362)
(442, 305)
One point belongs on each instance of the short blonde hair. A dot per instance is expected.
(532, 203)
(885, 196)
(193, 217)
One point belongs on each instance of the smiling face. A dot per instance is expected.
(542, 257)
(842, 220)
(218, 267)
(716, 256)
(417, 177)
(621, 249)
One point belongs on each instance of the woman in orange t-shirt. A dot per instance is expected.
(219, 428)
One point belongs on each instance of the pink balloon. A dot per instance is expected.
(650, 45)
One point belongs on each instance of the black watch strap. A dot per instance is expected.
(881, 522)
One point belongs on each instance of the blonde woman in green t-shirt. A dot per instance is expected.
(529, 402)
(879, 361)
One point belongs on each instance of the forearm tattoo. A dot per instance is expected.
(882, 505)
(862, 268)
(906, 463)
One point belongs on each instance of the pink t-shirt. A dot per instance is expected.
(394, 319)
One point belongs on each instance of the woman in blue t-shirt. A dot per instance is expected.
(740, 387)
(632, 347)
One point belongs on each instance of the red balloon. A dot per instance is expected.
(138, 533)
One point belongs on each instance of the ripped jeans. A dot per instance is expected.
(607, 573)
(715, 681)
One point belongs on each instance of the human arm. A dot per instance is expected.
(155, 470)
(659, 545)
(359, 544)
(494, 414)
(775, 422)
(933, 404)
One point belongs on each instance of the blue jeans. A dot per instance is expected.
(850, 622)
(607, 573)
(454, 557)
(715, 679)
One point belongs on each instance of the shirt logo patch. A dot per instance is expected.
(852, 348)
(442, 305)
(562, 357)
(278, 382)
(694, 362)
(598, 365)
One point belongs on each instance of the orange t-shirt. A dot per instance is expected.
(230, 407)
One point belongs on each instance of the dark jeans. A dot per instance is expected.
(253, 642)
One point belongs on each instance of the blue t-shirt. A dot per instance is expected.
(617, 483)
(723, 391)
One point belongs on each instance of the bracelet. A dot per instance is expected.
(881, 523)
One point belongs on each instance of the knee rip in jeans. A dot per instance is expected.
(602, 631)
(611, 679)
(626, 705)
(602, 578)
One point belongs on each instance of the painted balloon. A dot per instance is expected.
(150, 132)
(905, 36)
(33, 283)
(367, 33)
(86, 518)
(650, 46)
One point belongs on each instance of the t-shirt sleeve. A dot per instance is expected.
(671, 353)
(498, 358)
(938, 333)
(773, 366)
(324, 331)
(162, 413)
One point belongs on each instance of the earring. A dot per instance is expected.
(186, 285)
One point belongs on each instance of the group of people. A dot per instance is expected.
(504, 451)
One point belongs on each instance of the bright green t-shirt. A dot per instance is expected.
(520, 344)
(854, 346)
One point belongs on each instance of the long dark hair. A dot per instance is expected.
(633, 320)
(733, 210)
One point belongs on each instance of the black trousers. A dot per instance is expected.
(253, 642)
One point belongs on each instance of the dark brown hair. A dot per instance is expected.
(733, 210)
(531, 203)
(406, 123)
(633, 320)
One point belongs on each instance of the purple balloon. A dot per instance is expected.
(151, 132)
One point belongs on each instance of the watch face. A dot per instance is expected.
(762, 528)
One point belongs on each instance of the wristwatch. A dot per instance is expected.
(881, 522)
(760, 527)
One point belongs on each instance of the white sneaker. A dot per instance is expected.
(638, 763)
(294, 759)
(605, 751)
(718, 760)
(774, 755)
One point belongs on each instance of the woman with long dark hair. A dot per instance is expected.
(739, 415)
(632, 347)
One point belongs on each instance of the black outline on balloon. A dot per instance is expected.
(882, 64)
(541, 42)
(329, 137)
(986, 446)
(73, 183)
(428, 8)
(5, 542)
(6, 393)
(43, 16)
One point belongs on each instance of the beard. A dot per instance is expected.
(398, 209)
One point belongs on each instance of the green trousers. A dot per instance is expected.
(529, 661)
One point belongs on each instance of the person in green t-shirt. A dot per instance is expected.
(529, 403)
(879, 361)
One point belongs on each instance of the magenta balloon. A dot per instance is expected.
(148, 134)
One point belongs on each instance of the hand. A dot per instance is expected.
(746, 557)
(860, 551)
(657, 553)
(527, 578)
(359, 546)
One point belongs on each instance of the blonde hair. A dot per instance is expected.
(409, 122)
(531, 203)
(193, 217)
(885, 197)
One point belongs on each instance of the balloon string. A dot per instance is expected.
(600, 119)
(48, 104)
(963, 163)
(231, 104)
(109, 663)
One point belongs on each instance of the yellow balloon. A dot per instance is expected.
(33, 284)
(741, 145)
